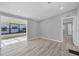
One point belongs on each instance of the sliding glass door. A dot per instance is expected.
(13, 30)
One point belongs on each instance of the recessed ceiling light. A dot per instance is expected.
(61, 8)
(18, 10)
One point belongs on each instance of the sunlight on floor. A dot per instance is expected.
(13, 40)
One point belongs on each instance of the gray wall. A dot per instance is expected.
(51, 27)
(32, 29)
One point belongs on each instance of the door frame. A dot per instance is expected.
(73, 28)
(67, 23)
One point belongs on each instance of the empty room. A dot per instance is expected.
(39, 28)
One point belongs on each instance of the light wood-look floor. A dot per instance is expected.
(39, 47)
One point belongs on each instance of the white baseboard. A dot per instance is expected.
(33, 38)
(46, 39)
(76, 44)
(51, 39)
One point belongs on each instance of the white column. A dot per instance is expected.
(77, 29)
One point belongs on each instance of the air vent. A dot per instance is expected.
(49, 2)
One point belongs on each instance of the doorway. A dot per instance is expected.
(68, 32)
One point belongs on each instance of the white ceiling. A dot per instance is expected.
(36, 10)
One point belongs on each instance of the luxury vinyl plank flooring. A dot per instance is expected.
(50, 48)
(37, 47)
